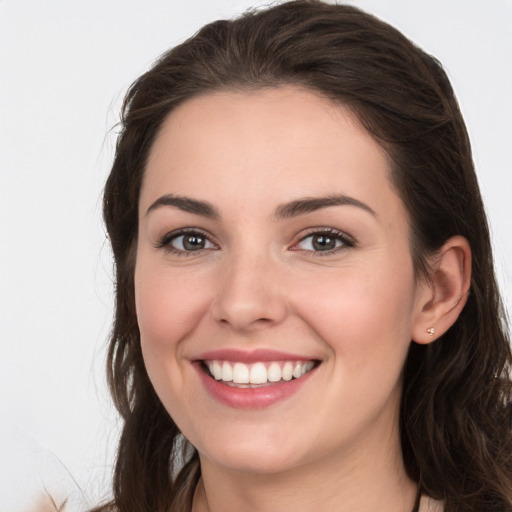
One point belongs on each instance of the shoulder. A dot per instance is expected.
(429, 505)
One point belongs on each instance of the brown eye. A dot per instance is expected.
(193, 242)
(188, 242)
(323, 242)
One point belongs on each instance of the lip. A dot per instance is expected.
(250, 398)
(252, 356)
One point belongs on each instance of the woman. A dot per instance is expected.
(307, 315)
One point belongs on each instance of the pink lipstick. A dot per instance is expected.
(253, 379)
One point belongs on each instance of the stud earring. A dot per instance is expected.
(431, 331)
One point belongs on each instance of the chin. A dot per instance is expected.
(256, 462)
(253, 454)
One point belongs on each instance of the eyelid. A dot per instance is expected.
(164, 242)
(347, 241)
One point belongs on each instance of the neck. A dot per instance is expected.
(369, 479)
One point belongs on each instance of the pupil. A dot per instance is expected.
(193, 242)
(324, 243)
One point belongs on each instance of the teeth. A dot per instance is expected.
(274, 372)
(287, 371)
(258, 373)
(217, 370)
(227, 371)
(297, 370)
(240, 373)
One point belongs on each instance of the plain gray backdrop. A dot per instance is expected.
(64, 67)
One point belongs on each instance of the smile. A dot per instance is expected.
(259, 374)
(253, 380)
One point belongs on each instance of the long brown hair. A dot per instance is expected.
(456, 419)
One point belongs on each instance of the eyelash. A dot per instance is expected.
(346, 241)
(166, 241)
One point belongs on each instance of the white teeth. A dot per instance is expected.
(287, 371)
(258, 373)
(274, 372)
(240, 373)
(217, 370)
(227, 372)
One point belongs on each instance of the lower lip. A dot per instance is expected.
(251, 398)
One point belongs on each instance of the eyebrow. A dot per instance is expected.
(185, 204)
(311, 204)
(284, 211)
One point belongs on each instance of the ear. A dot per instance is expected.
(444, 295)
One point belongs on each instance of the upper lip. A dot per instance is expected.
(251, 356)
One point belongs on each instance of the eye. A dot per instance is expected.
(186, 241)
(328, 241)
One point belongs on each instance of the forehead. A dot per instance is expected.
(269, 144)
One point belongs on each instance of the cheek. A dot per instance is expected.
(168, 310)
(167, 307)
(364, 317)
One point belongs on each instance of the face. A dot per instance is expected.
(275, 290)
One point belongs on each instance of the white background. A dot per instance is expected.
(64, 68)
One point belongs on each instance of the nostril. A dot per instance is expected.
(246, 324)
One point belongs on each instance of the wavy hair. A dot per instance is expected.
(455, 418)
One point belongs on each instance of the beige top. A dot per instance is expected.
(430, 505)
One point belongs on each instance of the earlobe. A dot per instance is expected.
(446, 293)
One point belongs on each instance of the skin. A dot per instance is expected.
(260, 284)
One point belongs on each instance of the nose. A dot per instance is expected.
(251, 294)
